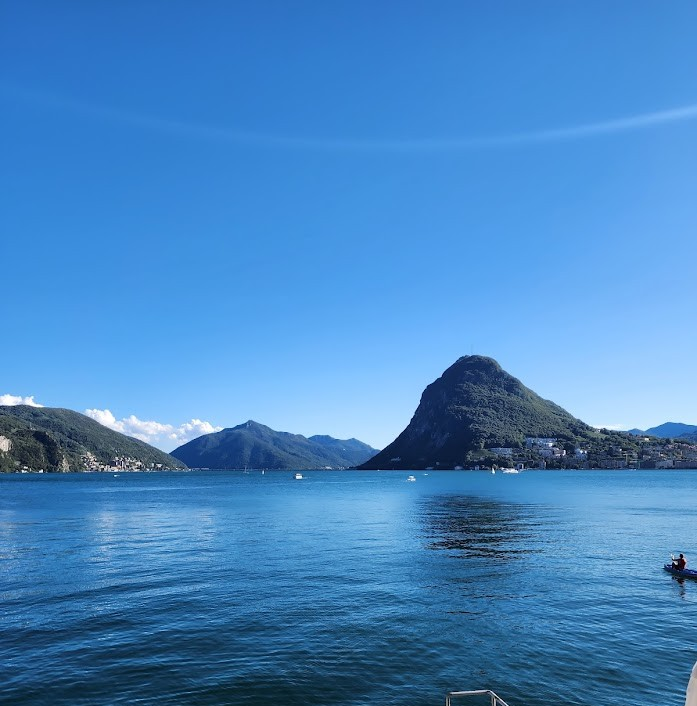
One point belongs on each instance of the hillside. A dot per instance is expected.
(56, 439)
(254, 445)
(476, 406)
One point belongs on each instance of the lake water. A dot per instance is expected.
(346, 588)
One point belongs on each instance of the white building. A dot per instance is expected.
(502, 451)
(540, 442)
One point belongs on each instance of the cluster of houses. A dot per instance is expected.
(118, 463)
(673, 454)
(653, 453)
(542, 448)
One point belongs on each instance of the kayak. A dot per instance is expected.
(685, 573)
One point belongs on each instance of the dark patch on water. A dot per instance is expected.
(468, 526)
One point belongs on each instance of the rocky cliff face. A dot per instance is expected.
(473, 406)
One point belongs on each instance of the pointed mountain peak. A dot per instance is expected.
(254, 445)
(475, 405)
(476, 361)
(249, 425)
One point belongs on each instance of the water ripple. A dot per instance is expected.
(350, 589)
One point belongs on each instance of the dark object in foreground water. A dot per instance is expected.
(684, 573)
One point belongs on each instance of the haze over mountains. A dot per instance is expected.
(254, 445)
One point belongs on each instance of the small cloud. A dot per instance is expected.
(164, 436)
(191, 430)
(610, 427)
(105, 417)
(13, 400)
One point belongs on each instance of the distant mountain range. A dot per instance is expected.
(475, 408)
(669, 430)
(53, 439)
(254, 445)
(475, 414)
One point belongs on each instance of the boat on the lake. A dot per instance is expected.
(298, 476)
(682, 573)
(412, 478)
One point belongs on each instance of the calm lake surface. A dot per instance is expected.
(346, 587)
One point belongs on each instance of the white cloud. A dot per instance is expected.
(190, 430)
(13, 400)
(164, 436)
(103, 416)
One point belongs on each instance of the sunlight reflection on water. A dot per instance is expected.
(212, 588)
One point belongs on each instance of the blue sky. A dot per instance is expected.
(302, 213)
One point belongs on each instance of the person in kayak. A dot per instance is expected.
(680, 563)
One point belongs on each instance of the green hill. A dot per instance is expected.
(254, 445)
(56, 439)
(476, 406)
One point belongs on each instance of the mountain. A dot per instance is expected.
(475, 406)
(671, 430)
(257, 446)
(351, 451)
(57, 439)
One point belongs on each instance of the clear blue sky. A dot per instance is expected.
(302, 213)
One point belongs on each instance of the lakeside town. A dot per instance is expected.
(541, 453)
(549, 452)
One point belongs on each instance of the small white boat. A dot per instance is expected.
(511, 470)
(298, 476)
(412, 478)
